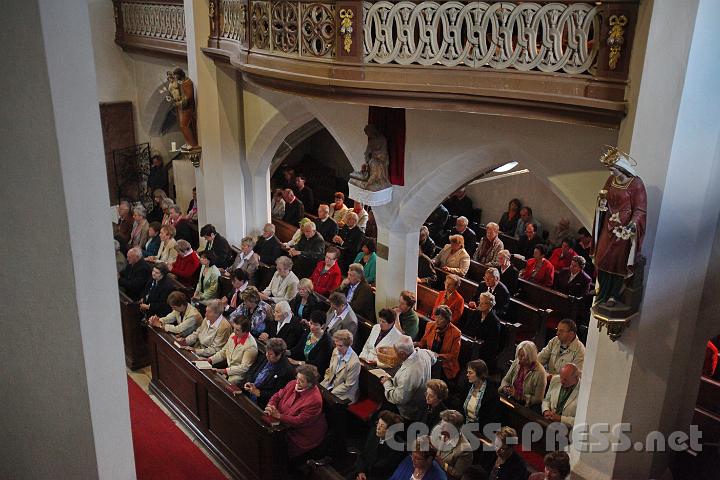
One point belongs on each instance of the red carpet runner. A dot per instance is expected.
(162, 450)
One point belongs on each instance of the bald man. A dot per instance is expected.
(560, 400)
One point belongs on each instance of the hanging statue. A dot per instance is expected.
(181, 93)
(374, 173)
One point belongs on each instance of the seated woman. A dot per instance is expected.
(327, 276)
(509, 219)
(152, 245)
(315, 347)
(239, 352)
(305, 302)
(436, 392)
(451, 297)
(367, 258)
(156, 214)
(284, 283)
(269, 375)
(426, 271)
(455, 454)
(157, 290)
(183, 320)
(378, 460)
(490, 245)
(482, 403)
(284, 325)
(253, 308)
(563, 255)
(526, 379)
(247, 260)
(166, 205)
(342, 378)
(407, 316)
(187, 264)
(207, 285)
(443, 338)
(382, 334)
(483, 324)
(509, 463)
(139, 232)
(421, 463)
(233, 299)
(212, 335)
(298, 406)
(166, 252)
(539, 269)
(453, 258)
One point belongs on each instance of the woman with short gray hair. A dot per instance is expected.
(166, 205)
(246, 260)
(139, 233)
(284, 283)
(525, 381)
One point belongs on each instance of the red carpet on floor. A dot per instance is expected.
(162, 450)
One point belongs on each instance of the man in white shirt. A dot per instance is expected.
(406, 389)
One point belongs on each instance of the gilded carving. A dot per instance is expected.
(616, 38)
(346, 28)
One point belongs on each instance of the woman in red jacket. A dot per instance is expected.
(539, 269)
(451, 297)
(327, 276)
(187, 264)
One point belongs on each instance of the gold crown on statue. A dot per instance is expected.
(613, 154)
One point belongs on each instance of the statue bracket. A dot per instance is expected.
(193, 154)
(370, 198)
(614, 326)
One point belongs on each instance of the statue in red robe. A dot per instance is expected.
(183, 95)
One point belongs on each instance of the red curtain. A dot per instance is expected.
(391, 123)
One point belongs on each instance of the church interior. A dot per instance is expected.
(361, 240)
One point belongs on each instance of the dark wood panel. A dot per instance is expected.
(134, 336)
(176, 380)
(118, 130)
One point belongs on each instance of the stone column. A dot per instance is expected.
(642, 378)
(64, 388)
(220, 178)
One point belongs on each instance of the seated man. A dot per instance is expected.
(563, 255)
(340, 316)
(212, 335)
(270, 374)
(560, 400)
(461, 228)
(406, 389)
(443, 338)
(539, 270)
(451, 298)
(564, 348)
(526, 216)
(453, 258)
(135, 276)
(490, 245)
(325, 225)
(528, 241)
(349, 238)
(342, 377)
(427, 244)
(327, 276)
(493, 285)
(574, 281)
(308, 251)
(184, 318)
(239, 352)
(294, 209)
(508, 273)
(358, 292)
(218, 245)
(268, 246)
(304, 193)
(382, 334)
(286, 326)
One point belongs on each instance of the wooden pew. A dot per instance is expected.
(709, 394)
(283, 230)
(476, 273)
(531, 320)
(134, 335)
(547, 298)
(516, 415)
(230, 425)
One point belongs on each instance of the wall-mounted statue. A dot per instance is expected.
(181, 92)
(619, 227)
(374, 173)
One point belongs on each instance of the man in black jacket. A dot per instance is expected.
(493, 285)
(294, 209)
(304, 193)
(135, 275)
(269, 374)
(574, 281)
(508, 273)
(326, 226)
(378, 459)
(218, 245)
(308, 251)
(268, 246)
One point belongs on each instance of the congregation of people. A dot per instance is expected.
(286, 321)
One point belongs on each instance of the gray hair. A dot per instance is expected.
(117, 245)
(140, 210)
(176, 209)
(505, 253)
(463, 220)
(216, 306)
(284, 262)
(351, 214)
(182, 246)
(493, 226)
(135, 251)
(277, 345)
(529, 349)
(579, 260)
(310, 224)
(345, 336)
(358, 269)
(248, 241)
(453, 417)
(404, 344)
(424, 230)
(576, 372)
(167, 203)
(489, 296)
(284, 307)
(494, 272)
(269, 227)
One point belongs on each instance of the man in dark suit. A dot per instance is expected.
(135, 275)
(308, 251)
(574, 281)
(461, 228)
(493, 285)
(326, 226)
(528, 242)
(158, 176)
(269, 374)
(218, 245)
(508, 273)
(183, 230)
(268, 246)
(294, 208)
(358, 292)
(157, 290)
(304, 193)
(285, 326)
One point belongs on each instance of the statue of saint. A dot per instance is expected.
(374, 173)
(619, 226)
(182, 94)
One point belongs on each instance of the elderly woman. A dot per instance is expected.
(407, 317)
(327, 276)
(305, 302)
(453, 257)
(482, 403)
(443, 338)
(212, 334)
(278, 204)
(156, 214)
(378, 459)
(157, 290)
(509, 464)
(451, 297)
(239, 352)
(483, 324)
(254, 308)
(182, 321)
(187, 264)
(247, 260)
(286, 326)
(139, 232)
(166, 205)
(509, 219)
(455, 454)
(349, 238)
(299, 406)
(368, 258)
(526, 379)
(152, 245)
(490, 245)
(342, 378)
(436, 392)
(539, 269)
(284, 283)
(207, 285)
(166, 252)
(421, 464)
(382, 334)
(315, 346)
(270, 375)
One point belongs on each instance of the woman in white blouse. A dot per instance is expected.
(284, 283)
(383, 334)
(167, 252)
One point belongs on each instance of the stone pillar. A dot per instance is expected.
(220, 178)
(642, 378)
(64, 388)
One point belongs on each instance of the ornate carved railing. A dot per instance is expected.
(157, 25)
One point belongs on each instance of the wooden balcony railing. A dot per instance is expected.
(154, 25)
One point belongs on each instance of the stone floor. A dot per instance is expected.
(142, 377)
